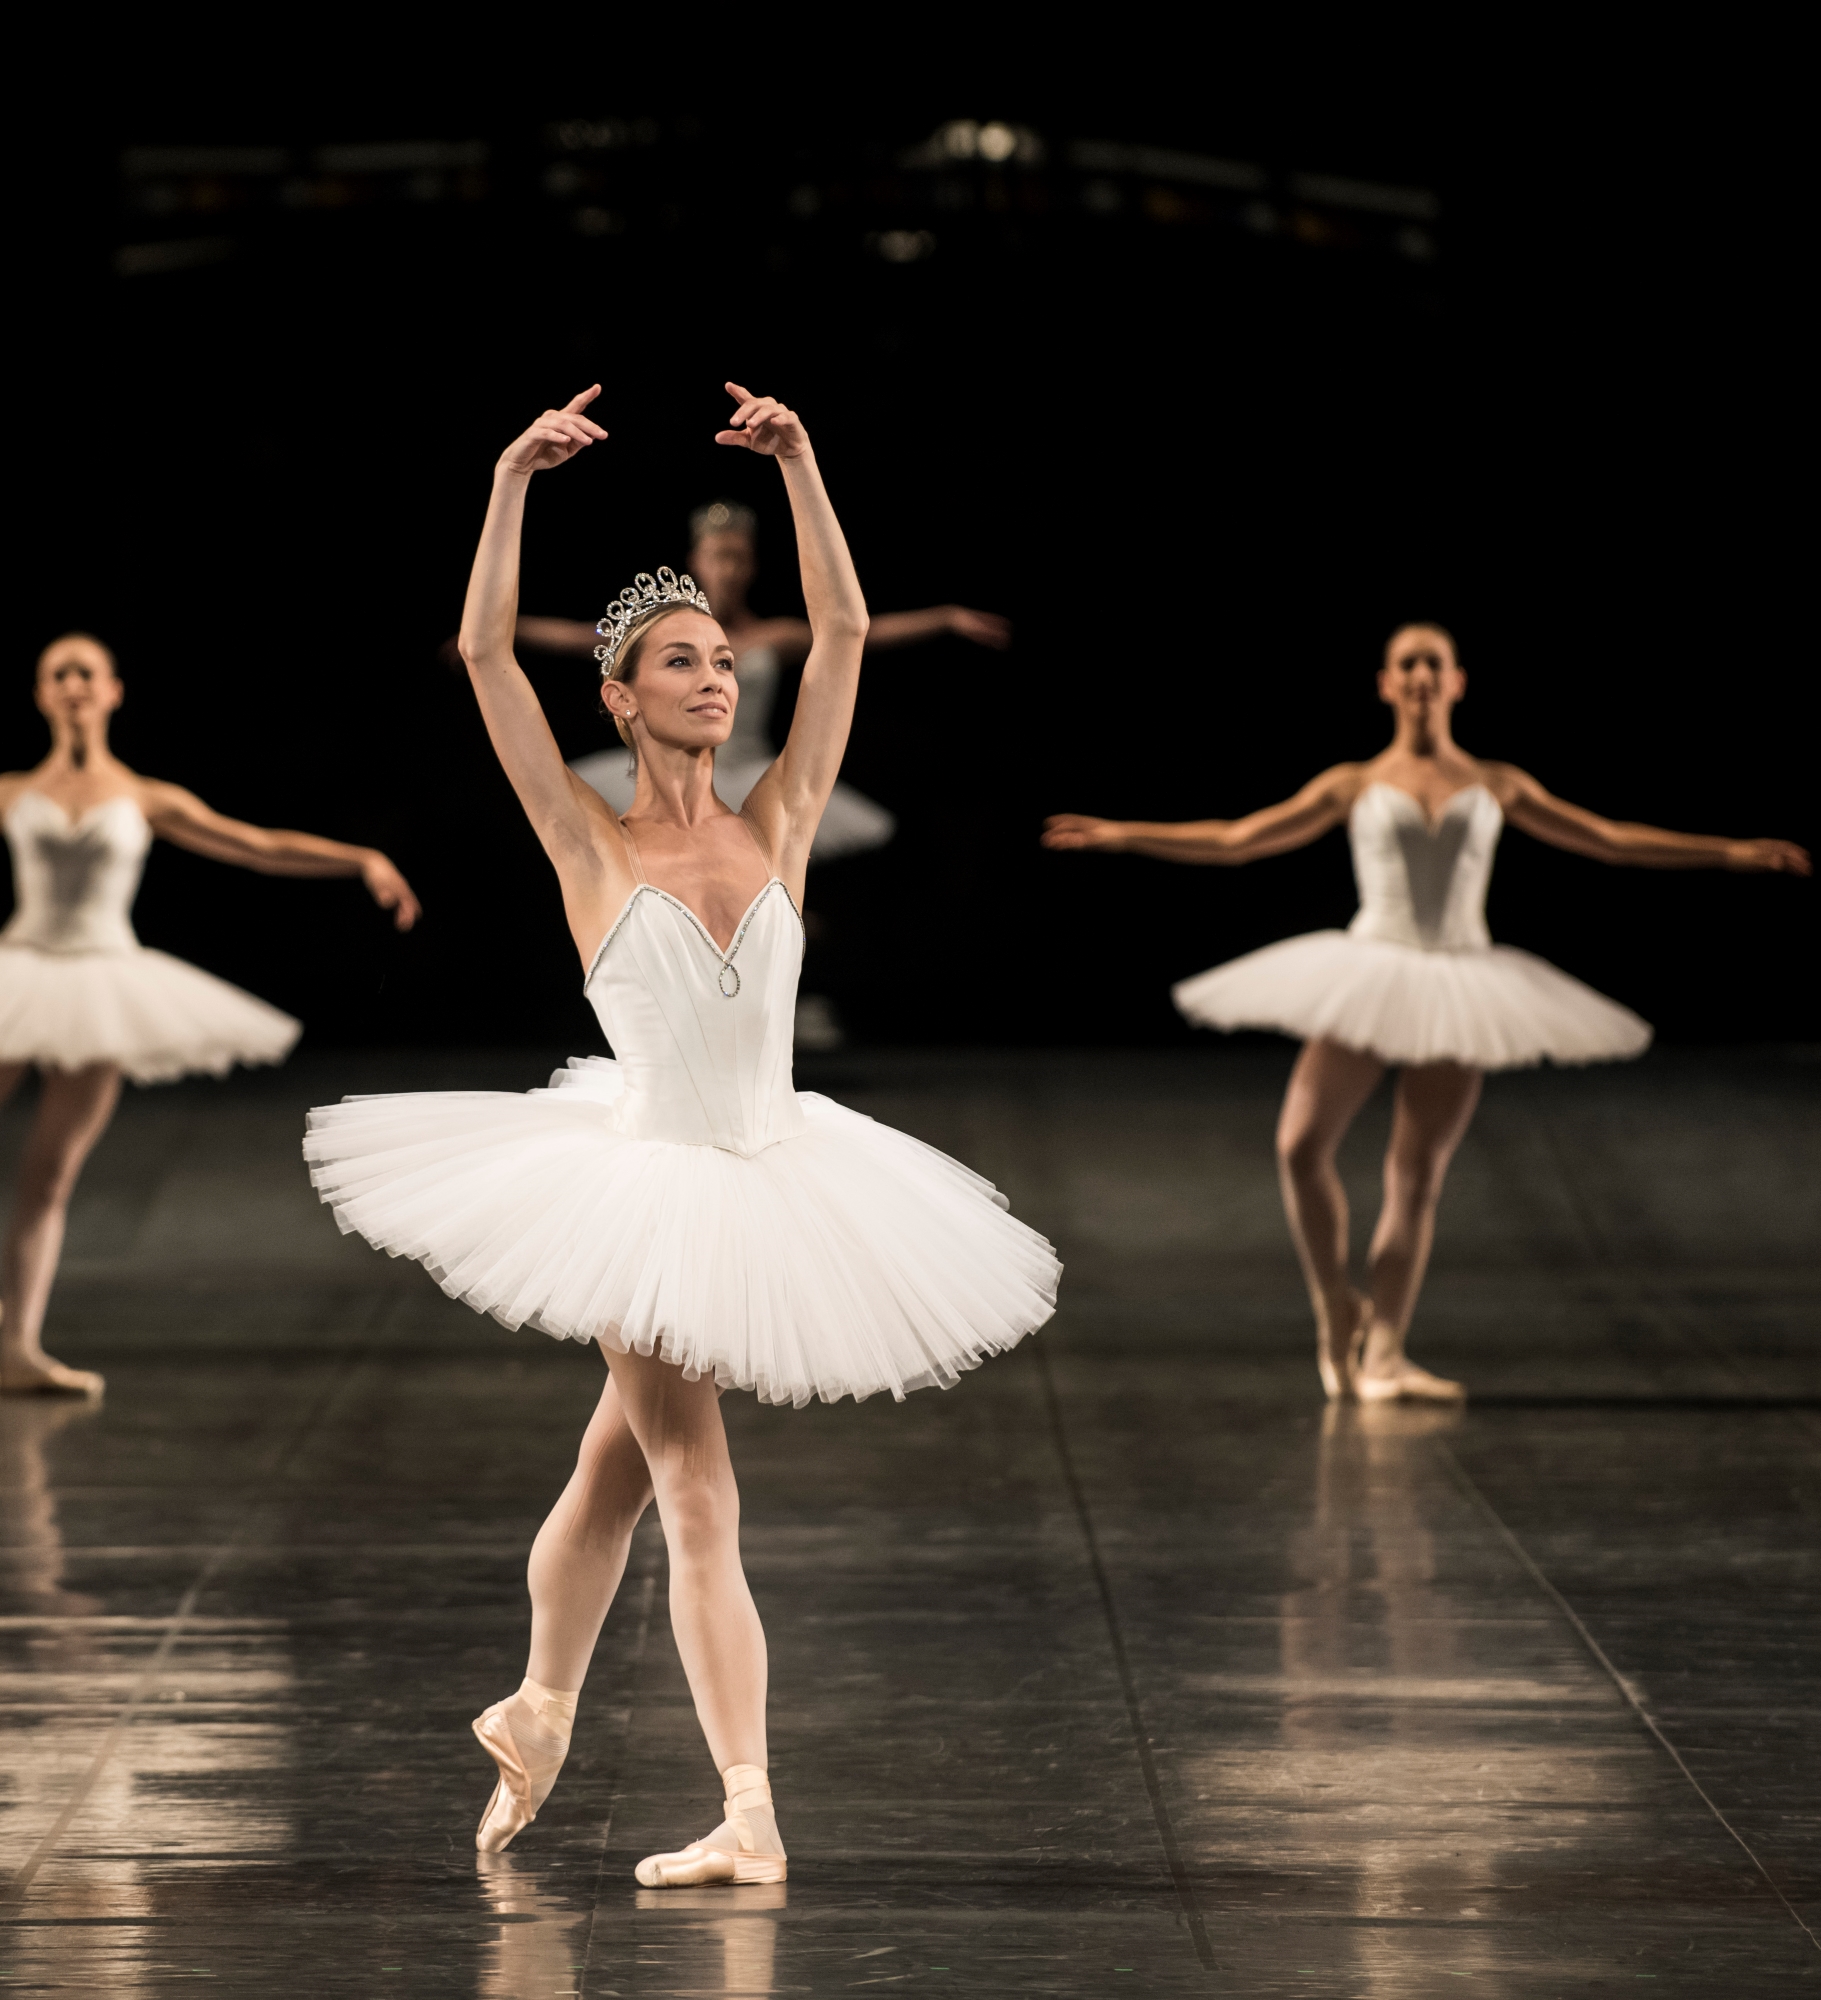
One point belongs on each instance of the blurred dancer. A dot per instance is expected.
(683, 1205)
(82, 999)
(1415, 983)
(723, 559)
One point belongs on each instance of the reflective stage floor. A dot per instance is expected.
(1123, 1668)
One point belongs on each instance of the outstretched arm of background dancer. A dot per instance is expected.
(182, 818)
(889, 630)
(1626, 844)
(1216, 843)
(786, 804)
(563, 813)
(791, 637)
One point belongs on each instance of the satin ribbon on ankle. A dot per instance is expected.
(746, 1786)
(550, 1704)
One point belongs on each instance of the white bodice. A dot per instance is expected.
(74, 880)
(703, 1038)
(1423, 883)
(757, 671)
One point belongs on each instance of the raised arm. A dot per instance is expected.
(182, 818)
(1216, 843)
(786, 804)
(1626, 844)
(564, 814)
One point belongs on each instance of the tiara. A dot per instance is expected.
(641, 597)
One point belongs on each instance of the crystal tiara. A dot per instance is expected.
(643, 595)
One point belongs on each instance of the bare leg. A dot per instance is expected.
(678, 1427)
(575, 1569)
(1432, 1110)
(73, 1112)
(580, 1552)
(1327, 1088)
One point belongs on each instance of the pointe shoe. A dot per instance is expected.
(698, 1863)
(41, 1376)
(525, 1776)
(1395, 1378)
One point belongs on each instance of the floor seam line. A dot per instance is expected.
(27, 1872)
(1464, 1481)
(1147, 1764)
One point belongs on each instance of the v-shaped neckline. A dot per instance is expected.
(722, 952)
(645, 882)
(75, 822)
(676, 903)
(1432, 822)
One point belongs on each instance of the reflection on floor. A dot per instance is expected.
(1121, 1668)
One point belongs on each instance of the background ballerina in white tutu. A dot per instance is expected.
(683, 1205)
(1415, 983)
(724, 559)
(81, 999)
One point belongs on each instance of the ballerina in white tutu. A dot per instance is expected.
(86, 1003)
(1414, 983)
(682, 1205)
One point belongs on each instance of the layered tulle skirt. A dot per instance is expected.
(847, 1260)
(154, 1015)
(1491, 1008)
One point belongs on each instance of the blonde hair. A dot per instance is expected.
(626, 661)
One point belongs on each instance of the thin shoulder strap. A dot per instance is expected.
(754, 838)
(632, 852)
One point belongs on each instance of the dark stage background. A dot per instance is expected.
(1205, 399)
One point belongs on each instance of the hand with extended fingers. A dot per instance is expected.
(764, 425)
(555, 438)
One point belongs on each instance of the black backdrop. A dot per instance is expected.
(1204, 443)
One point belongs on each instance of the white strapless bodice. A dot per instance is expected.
(757, 671)
(1423, 883)
(74, 880)
(703, 1037)
(77, 987)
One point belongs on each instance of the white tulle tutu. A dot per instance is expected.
(155, 1016)
(840, 1262)
(1491, 1008)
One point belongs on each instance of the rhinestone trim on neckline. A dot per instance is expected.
(676, 903)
